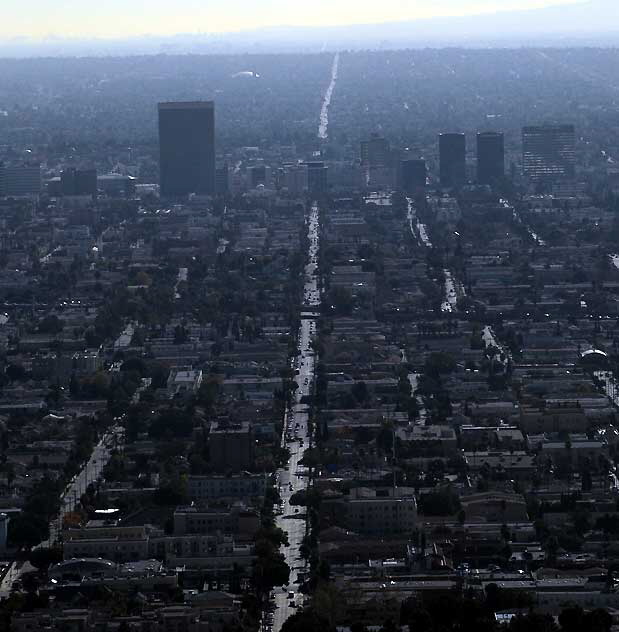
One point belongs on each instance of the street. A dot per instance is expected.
(78, 485)
(296, 436)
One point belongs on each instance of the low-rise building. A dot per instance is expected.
(381, 511)
(215, 487)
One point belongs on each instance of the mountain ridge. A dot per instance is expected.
(590, 22)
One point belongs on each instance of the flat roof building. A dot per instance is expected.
(412, 176)
(187, 148)
(490, 157)
(548, 152)
(18, 180)
(452, 159)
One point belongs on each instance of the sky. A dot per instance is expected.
(122, 18)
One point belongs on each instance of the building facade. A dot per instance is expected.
(187, 148)
(490, 157)
(452, 159)
(413, 175)
(20, 179)
(548, 152)
(381, 511)
(231, 446)
(317, 182)
(213, 487)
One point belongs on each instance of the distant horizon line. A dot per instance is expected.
(52, 37)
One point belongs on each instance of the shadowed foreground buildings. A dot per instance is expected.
(187, 148)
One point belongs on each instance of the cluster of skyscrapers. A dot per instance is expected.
(187, 155)
(548, 154)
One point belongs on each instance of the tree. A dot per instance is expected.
(324, 570)
(16, 373)
(438, 363)
(551, 546)
(571, 619)
(51, 325)
(342, 301)
(597, 620)
(415, 616)
(582, 523)
(533, 622)
(307, 621)
(389, 626)
(175, 421)
(44, 557)
(170, 494)
(439, 503)
(276, 536)
(270, 569)
(360, 392)
(180, 335)
(27, 529)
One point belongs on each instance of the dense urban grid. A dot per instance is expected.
(310, 342)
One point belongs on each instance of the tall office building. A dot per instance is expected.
(317, 183)
(375, 152)
(187, 148)
(222, 179)
(20, 179)
(452, 159)
(413, 175)
(78, 181)
(490, 157)
(259, 174)
(231, 446)
(295, 178)
(548, 152)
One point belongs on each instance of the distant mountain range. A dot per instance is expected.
(587, 23)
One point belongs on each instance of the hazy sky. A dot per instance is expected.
(108, 18)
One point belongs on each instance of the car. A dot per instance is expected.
(291, 594)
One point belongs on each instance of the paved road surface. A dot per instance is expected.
(323, 127)
(88, 474)
(296, 435)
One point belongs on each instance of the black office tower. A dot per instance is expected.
(413, 174)
(452, 159)
(490, 157)
(548, 152)
(78, 181)
(187, 148)
(375, 152)
(317, 183)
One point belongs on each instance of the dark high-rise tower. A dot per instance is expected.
(413, 176)
(317, 182)
(490, 157)
(375, 152)
(548, 152)
(78, 181)
(187, 148)
(452, 159)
